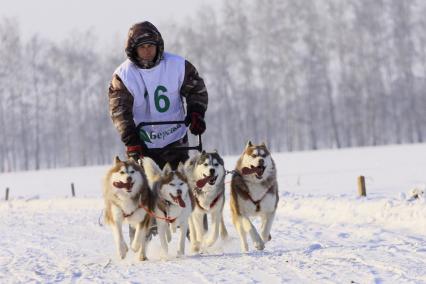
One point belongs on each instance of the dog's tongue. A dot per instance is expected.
(120, 184)
(248, 171)
(202, 182)
(180, 201)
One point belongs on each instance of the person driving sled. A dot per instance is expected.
(152, 85)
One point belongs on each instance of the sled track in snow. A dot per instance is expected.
(55, 241)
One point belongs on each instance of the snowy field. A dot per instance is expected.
(323, 232)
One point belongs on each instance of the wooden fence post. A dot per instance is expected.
(361, 186)
(72, 189)
(7, 194)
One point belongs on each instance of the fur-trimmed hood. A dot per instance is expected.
(142, 33)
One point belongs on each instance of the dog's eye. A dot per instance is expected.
(181, 184)
(216, 165)
(132, 172)
(205, 164)
(172, 184)
(254, 156)
(122, 172)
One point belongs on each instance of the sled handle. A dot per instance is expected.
(199, 147)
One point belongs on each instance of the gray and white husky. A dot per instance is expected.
(174, 202)
(127, 199)
(254, 193)
(206, 178)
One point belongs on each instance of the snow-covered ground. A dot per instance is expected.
(323, 232)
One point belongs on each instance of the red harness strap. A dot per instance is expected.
(152, 214)
(128, 215)
(247, 171)
(211, 204)
(257, 203)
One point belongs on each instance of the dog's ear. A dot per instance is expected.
(181, 168)
(116, 160)
(249, 144)
(203, 152)
(263, 144)
(151, 169)
(167, 169)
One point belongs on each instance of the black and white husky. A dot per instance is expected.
(254, 193)
(174, 202)
(206, 178)
(127, 199)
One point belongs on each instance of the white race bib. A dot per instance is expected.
(156, 94)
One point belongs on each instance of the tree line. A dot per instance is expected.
(298, 75)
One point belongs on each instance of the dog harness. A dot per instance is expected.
(130, 214)
(211, 204)
(150, 213)
(257, 203)
(200, 184)
(247, 194)
(166, 218)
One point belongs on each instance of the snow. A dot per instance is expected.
(323, 232)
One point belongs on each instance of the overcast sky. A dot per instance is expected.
(55, 18)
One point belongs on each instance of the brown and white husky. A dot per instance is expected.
(254, 193)
(174, 202)
(128, 199)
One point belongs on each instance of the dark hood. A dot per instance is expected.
(142, 33)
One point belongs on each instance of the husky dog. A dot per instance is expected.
(174, 202)
(206, 178)
(127, 199)
(254, 192)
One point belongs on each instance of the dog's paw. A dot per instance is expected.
(180, 254)
(123, 249)
(135, 246)
(195, 247)
(210, 242)
(142, 257)
(164, 256)
(244, 247)
(260, 245)
(267, 238)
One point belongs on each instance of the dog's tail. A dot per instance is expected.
(223, 231)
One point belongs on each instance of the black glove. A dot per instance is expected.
(134, 152)
(198, 125)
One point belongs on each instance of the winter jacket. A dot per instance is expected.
(121, 100)
(121, 103)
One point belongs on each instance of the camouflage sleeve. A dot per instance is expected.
(121, 112)
(194, 90)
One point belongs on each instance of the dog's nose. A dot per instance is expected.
(179, 192)
(129, 179)
(261, 162)
(212, 171)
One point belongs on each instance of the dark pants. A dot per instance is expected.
(173, 157)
